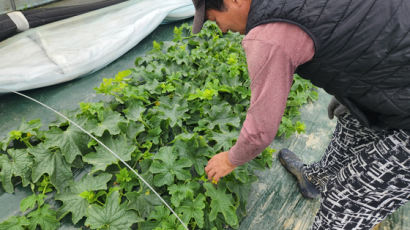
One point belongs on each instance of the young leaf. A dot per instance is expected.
(23, 133)
(112, 215)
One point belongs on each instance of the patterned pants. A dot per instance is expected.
(363, 176)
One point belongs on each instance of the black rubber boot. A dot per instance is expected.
(295, 166)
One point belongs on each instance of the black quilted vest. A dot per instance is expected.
(362, 52)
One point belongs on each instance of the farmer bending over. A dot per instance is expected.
(359, 52)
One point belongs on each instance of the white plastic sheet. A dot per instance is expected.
(77, 46)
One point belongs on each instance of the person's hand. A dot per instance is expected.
(219, 166)
(335, 108)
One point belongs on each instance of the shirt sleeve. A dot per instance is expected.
(273, 52)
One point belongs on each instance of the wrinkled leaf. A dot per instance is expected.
(72, 201)
(221, 202)
(19, 165)
(15, 223)
(72, 142)
(112, 215)
(51, 162)
(44, 217)
(103, 158)
(166, 167)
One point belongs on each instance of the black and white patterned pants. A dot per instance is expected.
(363, 176)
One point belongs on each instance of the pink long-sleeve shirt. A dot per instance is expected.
(273, 52)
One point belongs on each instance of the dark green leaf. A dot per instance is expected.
(51, 162)
(44, 217)
(193, 209)
(31, 201)
(143, 202)
(100, 159)
(19, 165)
(72, 201)
(180, 192)
(174, 110)
(72, 142)
(112, 215)
(221, 202)
(15, 223)
(166, 167)
(109, 121)
(194, 148)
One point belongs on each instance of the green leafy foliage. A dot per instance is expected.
(44, 217)
(82, 193)
(102, 157)
(16, 163)
(15, 223)
(31, 201)
(182, 103)
(221, 202)
(112, 215)
(51, 162)
(72, 141)
(167, 167)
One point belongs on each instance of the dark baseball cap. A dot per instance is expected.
(199, 17)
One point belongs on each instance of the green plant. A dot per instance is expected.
(182, 103)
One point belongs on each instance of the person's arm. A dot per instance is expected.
(273, 52)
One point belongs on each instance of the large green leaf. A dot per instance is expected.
(194, 148)
(19, 165)
(224, 139)
(134, 110)
(15, 223)
(220, 115)
(143, 202)
(175, 110)
(112, 215)
(31, 201)
(109, 121)
(221, 202)
(162, 219)
(72, 141)
(44, 217)
(166, 167)
(180, 192)
(72, 201)
(193, 209)
(102, 158)
(51, 162)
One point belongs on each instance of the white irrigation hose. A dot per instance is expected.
(113, 153)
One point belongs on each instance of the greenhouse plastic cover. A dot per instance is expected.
(67, 49)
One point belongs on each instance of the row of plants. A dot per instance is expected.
(182, 102)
